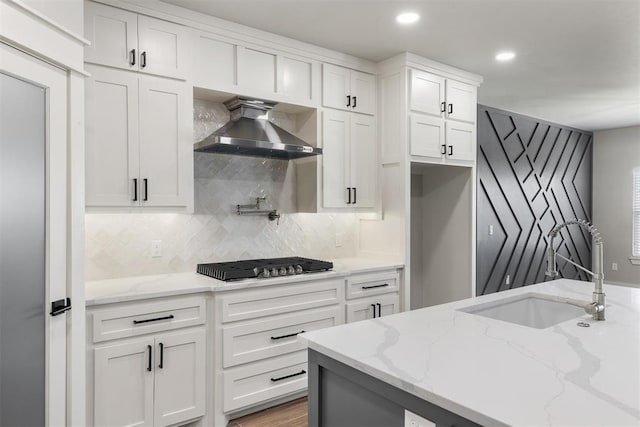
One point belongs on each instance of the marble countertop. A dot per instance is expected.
(498, 373)
(142, 287)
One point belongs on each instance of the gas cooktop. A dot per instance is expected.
(263, 268)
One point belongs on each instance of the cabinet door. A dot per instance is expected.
(162, 47)
(214, 63)
(179, 377)
(363, 92)
(123, 375)
(461, 141)
(335, 158)
(335, 87)
(426, 93)
(111, 146)
(113, 34)
(368, 308)
(296, 79)
(166, 146)
(256, 72)
(461, 101)
(426, 136)
(363, 161)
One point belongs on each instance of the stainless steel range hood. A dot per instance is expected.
(249, 133)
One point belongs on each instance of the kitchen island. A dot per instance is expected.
(458, 368)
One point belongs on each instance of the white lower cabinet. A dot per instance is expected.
(373, 307)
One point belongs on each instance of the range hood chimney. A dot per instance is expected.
(249, 133)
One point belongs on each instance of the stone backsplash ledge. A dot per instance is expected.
(119, 244)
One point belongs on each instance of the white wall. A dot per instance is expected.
(616, 153)
(67, 13)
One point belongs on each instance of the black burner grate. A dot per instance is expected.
(251, 268)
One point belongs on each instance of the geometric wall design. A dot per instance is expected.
(531, 175)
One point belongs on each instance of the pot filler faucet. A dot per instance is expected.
(596, 307)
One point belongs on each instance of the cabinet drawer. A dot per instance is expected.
(371, 308)
(282, 299)
(372, 284)
(266, 380)
(274, 336)
(139, 319)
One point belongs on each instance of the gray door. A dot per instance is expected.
(22, 253)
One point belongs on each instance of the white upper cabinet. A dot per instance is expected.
(349, 160)
(461, 141)
(129, 41)
(348, 90)
(426, 93)
(296, 81)
(444, 98)
(214, 63)
(257, 72)
(139, 148)
(426, 135)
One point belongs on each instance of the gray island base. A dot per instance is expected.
(342, 396)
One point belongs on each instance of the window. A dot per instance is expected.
(636, 212)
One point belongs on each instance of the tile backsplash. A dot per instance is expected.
(119, 244)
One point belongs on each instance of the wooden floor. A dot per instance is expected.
(290, 414)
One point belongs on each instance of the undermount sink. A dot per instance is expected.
(532, 310)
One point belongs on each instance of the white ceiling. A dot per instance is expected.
(577, 63)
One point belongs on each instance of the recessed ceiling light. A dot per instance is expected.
(505, 56)
(408, 18)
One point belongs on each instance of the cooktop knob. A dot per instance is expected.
(283, 271)
(299, 269)
(274, 272)
(266, 273)
(291, 270)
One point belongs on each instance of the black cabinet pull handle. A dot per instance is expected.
(450, 109)
(137, 322)
(348, 195)
(374, 310)
(132, 56)
(287, 336)
(161, 355)
(348, 100)
(354, 102)
(143, 59)
(375, 286)
(379, 309)
(451, 150)
(150, 349)
(60, 306)
(443, 106)
(146, 189)
(444, 149)
(135, 189)
(355, 195)
(302, 372)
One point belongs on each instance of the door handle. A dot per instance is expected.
(150, 349)
(374, 310)
(348, 100)
(60, 306)
(450, 109)
(379, 309)
(135, 189)
(143, 59)
(161, 355)
(354, 102)
(451, 150)
(146, 189)
(444, 149)
(443, 107)
(132, 56)
(355, 195)
(348, 195)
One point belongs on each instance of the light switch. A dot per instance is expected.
(614, 266)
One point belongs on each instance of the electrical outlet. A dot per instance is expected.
(413, 420)
(491, 230)
(339, 240)
(507, 281)
(156, 248)
(614, 266)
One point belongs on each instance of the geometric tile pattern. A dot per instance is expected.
(531, 175)
(119, 245)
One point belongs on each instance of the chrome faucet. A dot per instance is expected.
(596, 307)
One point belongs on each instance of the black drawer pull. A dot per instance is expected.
(287, 336)
(375, 286)
(302, 372)
(137, 322)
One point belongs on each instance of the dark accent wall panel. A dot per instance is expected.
(531, 175)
